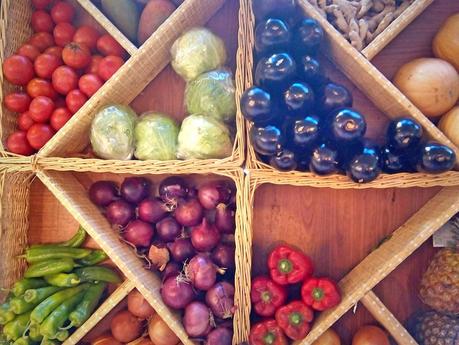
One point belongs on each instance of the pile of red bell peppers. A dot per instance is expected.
(288, 319)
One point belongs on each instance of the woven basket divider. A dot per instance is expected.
(378, 264)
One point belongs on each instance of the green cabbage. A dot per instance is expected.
(212, 94)
(156, 137)
(112, 132)
(197, 51)
(203, 137)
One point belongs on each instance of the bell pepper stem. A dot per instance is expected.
(295, 319)
(285, 266)
(317, 294)
(269, 338)
(266, 296)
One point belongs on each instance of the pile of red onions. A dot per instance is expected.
(191, 231)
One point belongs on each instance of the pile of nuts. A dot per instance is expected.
(360, 21)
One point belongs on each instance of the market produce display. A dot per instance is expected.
(186, 234)
(57, 70)
(287, 316)
(61, 288)
(303, 121)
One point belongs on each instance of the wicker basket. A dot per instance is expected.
(375, 86)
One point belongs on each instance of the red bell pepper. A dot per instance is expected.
(295, 319)
(289, 266)
(267, 296)
(320, 293)
(267, 333)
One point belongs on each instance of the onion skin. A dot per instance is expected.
(125, 327)
(214, 193)
(105, 339)
(370, 335)
(172, 189)
(223, 256)
(202, 272)
(189, 212)
(102, 193)
(168, 229)
(135, 189)
(160, 333)
(139, 233)
(172, 269)
(329, 337)
(205, 236)
(177, 294)
(139, 306)
(220, 299)
(197, 320)
(225, 219)
(181, 249)
(120, 212)
(152, 210)
(220, 336)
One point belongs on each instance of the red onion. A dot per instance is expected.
(198, 320)
(120, 212)
(205, 236)
(220, 336)
(103, 193)
(172, 189)
(223, 256)
(168, 229)
(189, 212)
(202, 272)
(224, 219)
(214, 193)
(152, 210)
(177, 294)
(220, 299)
(181, 249)
(172, 269)
(135, 189)
(139, 233)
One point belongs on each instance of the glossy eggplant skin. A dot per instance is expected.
(365, 167)
(299, 99)
(266, 140)
(435, 158)
(346, 125)
(284, 160)
(334, 96)
(324, 160)
(393, 161)
(404, 134)
(275, 72)
(274, 8)
(272, 35)
(311, 70)
(308, 36)
(257, 106)
(304, 132)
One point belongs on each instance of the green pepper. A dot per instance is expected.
(24, 284)
(34, 255)
(38, 295)
(76, 241)
(19, 306)
(6, 315)
(48, 267)
(62, 335)
(3, 340)
(24, 340)
(45, 308)
(34, 332)
(97, 273)
(16, 328)
(50, 326)
(86, 307)
(97, 256)
(63, 279)
(46, 341)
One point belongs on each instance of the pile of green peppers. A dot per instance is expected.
(60, 290)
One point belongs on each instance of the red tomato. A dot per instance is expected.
(59, 118)
(89, 84)
(39, 134)
(64, 79)
(18, 70)
(109, 65)
(62, 12)
(25, 121)
(93, 66)
(17, 143)
(54, 50)
(76, 55)
(75, 100)
(107, 45)
(63, 33)
(41, 87)
(87, 35)
(17, 102)
(41, 4)
(29, 51)
(42, 40)
(46, 64)
(41, 109)
(42, 21)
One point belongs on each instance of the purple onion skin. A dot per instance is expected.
(205, 236)
(102, 193)
(172, 189)
(225, 219)
(223, 256)
(152, 210)
(189, 212)
(220, 299)
(135, 189)
(197, 320)
(139, 233)
(214, 193)
(168, 229)
(202, 272)
(172, 269)
(177, 294)
(181, 249)
(220, 336)
(120, 212)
